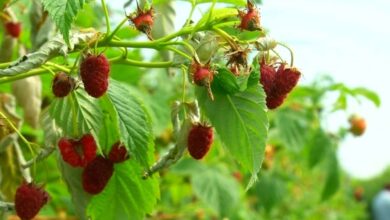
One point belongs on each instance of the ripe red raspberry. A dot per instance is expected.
(250, 20)
(13, 29)
(143, 20)
(97, 174)
(202, 75)
(78, 153)
(29, 199)
(274, 101)
(199, 140)
(358, 125)
(62, 85)
(118, 153)
(286, 79)
(267, 78)
(94, 71)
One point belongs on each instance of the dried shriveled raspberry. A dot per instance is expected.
(95, 71)
(199, 140)
(29, 199)
(78, 153)
(63, 84)
(250, 20)
(118, 153)
(143, 20)
(13, 29)
(97, 174)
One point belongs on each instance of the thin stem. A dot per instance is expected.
(105, 9)
(58, 66)
(193, 5)
(44, 153)
(179, 52)
(226, 36)
(291, 52)
(121, 60)
(23, 75)
(5, 65)
(112, 34)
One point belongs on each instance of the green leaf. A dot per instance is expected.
(235, 2)
(291, 125)
(77, 114)
(370, 95)
(72, 178)
(241, 123)
(63, 13)
(217, 15)
(54, 47)
(225, 81)
(318, 146)
(332, 181)
(109, 132)
(270, 191)
(134, 123)
(126, 196)
(218, 191)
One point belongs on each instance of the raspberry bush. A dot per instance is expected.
(103, 131)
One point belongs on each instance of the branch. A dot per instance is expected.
(6, 206)
(43, 154)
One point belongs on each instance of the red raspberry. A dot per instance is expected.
(199, 140)
(78, 153)
(250, 20)
(62, 85)
(94, 71)
(29, 199)
(13, 29)
(274, 101)
(267, 78)
(97, 174)
(286, 80)
(118, 153)
(202, 75)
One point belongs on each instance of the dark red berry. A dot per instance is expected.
(62, 85)
(94, 71)
(97, 174)
(78, 153)
(199, 140)
(250, 20)
(118, 153)
(267, 78)
(29, 199)
(286, 79)
(13, 29)
(274, 101)
(202, 75)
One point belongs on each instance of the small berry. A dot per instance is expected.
(118, 153)
(143, 20)
(199, 140)
(202, 75)
(62, 85)
(13, 29)
(29, 199)
(358, 125)
(78, 153)
(97, 174)
(250, 20)
(94, 71)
